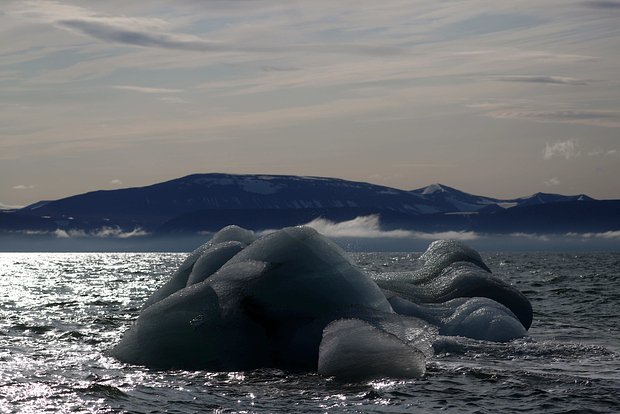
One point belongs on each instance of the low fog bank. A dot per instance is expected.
(362, 233)
(512, 242)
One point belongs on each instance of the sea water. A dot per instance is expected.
(60, 313)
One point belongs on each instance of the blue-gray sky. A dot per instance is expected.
(495, 98)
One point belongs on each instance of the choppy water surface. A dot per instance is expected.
(60, 313)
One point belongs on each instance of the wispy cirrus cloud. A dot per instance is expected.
(9, 206)
(133, 31)
(174, 100)
(554, 80)
(602, 4)
(269, 68)
(158, 33)
(281, 76)
(606, 119)
(146, 89)
(103, 30)
(23, 187)
(63, 14)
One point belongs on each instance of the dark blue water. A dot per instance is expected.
(60, 313)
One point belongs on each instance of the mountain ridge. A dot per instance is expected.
(202, 202)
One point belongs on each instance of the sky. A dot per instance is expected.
(501, 99)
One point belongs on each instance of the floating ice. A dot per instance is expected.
(442, 253)
(353, 349)
(266, 306)
(452, 270)
(212, 259)
(476, 318)
(198, 327)
(294, 300)
(180, 277)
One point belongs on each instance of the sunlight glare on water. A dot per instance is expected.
(60, 313)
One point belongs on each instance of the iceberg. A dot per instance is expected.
(179, 279)
(212, 259)
(476, 318)
(449, 270)
(353, 349)
(294, 300)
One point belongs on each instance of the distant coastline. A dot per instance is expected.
(174, 215)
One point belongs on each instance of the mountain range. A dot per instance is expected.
(207, 202)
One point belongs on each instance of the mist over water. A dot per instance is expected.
(363, 239)
(61, 313)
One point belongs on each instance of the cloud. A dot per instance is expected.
(531, 236)
(116, 182)
(23, 187)
(135, 31)
(456, 235)
(607, 119)
(63, 234)
(551, 182)
(116, 232)
(103, 232)
(9, 206)
(369, 227)
(530, 111)
(607, 235)
(174, 100)
(112, 33)
(363, 227)
(558, 80)
(103, 30)
(564, 149)
(600, 4)
(604, 153)
(144, 89)
(206, 128)
(268, 68)
(278, 51)
(155, 33)
(54, 11)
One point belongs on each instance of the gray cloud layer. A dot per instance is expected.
(611, 5)
(110, 33)
(401, 93)
(558, 80)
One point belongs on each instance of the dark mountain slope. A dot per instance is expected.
(558, 217)
(207, 202)
(153, 205)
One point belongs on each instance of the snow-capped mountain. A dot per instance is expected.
(452, 200)
(153, 205)
(544, 198)
(449, 199)
(205, 202)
